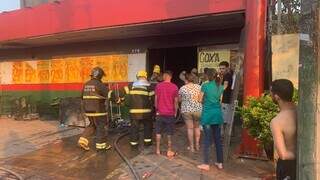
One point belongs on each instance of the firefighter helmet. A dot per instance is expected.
(156, 69)
(97, 73)
(142, 73)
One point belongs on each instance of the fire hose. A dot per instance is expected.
(123, 157)
(11, 172)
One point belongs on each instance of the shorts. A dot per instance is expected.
(191, 116)
(226, 113)
(286, 169)
(165, 124)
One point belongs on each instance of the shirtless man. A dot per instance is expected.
(284, 129)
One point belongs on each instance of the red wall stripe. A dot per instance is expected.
(51, 87)
(41, 87)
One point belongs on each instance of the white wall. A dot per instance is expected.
(136, 62)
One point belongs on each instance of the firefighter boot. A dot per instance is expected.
(102, 147)
(134, 144)
(84, 143)
(147, 142)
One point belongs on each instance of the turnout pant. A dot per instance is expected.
(134, 131)
(97, 127)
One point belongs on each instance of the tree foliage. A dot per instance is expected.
(290, 13)
(257, 115)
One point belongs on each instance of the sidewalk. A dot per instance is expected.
(151, 166)
(41, 150)
(21, 137)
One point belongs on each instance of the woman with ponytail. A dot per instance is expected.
(211, 118)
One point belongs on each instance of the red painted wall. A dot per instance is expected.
(53, 86)
(74, 15)
(255, 28)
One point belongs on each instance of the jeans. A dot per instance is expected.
(209, 131)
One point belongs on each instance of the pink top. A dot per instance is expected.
(166, 92)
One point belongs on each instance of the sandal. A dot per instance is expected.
(204, 167)
(197, 148)
(190, 149)
(171, 154)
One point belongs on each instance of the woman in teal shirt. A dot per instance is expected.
(211, 118)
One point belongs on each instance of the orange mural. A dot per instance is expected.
(105, 62)
(30, 73)
(57, 71)
(68, 70)
(43, 68)
(1, 81)
(120, 68)
(72, 71)
(86, 64)
(17, 72)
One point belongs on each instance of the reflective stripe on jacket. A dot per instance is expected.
(94, 95)
(140, 101)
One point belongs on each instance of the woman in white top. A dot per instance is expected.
(191, 110)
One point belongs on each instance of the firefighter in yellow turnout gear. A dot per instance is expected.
(140, 99)
(156, 76)
(94, 95)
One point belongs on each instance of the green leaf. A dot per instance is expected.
(257, 114)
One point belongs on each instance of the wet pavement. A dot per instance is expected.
(62, 159)
(21, 137)
(183, 166)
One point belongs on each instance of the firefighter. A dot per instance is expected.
(140, 101)
(94, 95)
(156, 76)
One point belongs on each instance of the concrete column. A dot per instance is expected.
(309, 91)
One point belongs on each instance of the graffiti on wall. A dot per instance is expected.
(43, 71)
(65, 70)
(17, 72)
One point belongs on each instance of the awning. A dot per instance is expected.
(83, 20)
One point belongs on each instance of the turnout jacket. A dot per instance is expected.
(94, 95)
(140, 98)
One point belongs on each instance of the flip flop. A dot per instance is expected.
(203, 167)
(146, 175)
(189, 148)
(172, 155)
(197, 148)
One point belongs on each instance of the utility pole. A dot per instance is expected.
(308, 166)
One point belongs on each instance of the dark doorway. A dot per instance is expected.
(174, 59)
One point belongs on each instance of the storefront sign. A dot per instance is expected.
(211, 58)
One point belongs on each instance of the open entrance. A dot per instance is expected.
(174, 59)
